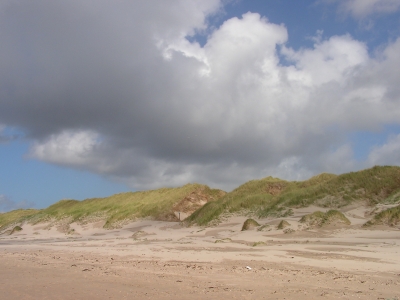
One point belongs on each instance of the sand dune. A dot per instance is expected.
(165, 260)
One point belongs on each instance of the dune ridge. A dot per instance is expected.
(268, 239)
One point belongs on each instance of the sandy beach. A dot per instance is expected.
(199, 149)
(164, 260)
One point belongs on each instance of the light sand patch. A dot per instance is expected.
(169, 261)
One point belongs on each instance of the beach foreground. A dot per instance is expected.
(165, 260)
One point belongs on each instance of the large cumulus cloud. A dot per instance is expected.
(118, 89)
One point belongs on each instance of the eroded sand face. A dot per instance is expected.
(163, 260)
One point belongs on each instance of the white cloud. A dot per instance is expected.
(8, 134)
(387, 154)
(2, 137)
(339, 161)
(67, 147)
(133, 99)
(332, 60)
(280, 112)
(364, 8)
(6, 204)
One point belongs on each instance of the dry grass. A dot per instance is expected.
(12, 217)
(261, 198)
(320, 219)
(389, 217)
(250, 224)
(274, 197)
(117, 209)
(283, 224)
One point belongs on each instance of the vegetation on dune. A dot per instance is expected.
(255, 244)
(319, 219)
(393, 198)
(16, 229)
(283, 224)
(157, 204)
(250, 224)
(389, 217)
(275, 197)
(255, 193)
(225, 240)
(261, 198)
(9, 218)
(314, 219)
(265, 227)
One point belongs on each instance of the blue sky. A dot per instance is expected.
(100, 97)
(32, 183)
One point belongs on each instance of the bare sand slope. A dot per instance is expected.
(161, 260)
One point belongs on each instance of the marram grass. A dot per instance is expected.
(260, 198)
(389, 217)
(320, 219)
(155, 204)
(9, 218)
(250, 224)
(275, 197)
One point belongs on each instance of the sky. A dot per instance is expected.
(99, 97)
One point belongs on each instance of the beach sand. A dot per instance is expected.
(164, 260)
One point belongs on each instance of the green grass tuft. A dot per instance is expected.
(273, 197)
(319, 219)
(250, 224)
(389, 217)
(9, 218)
(283, 224)
(255, 244)
(15, 229)
(116, 209)
(226, 240)
(259, 198)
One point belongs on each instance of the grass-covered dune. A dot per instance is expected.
(320, 219)
(276, 197)
(11, 217)
(261, 198)
(389, 217)
(157, 204)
